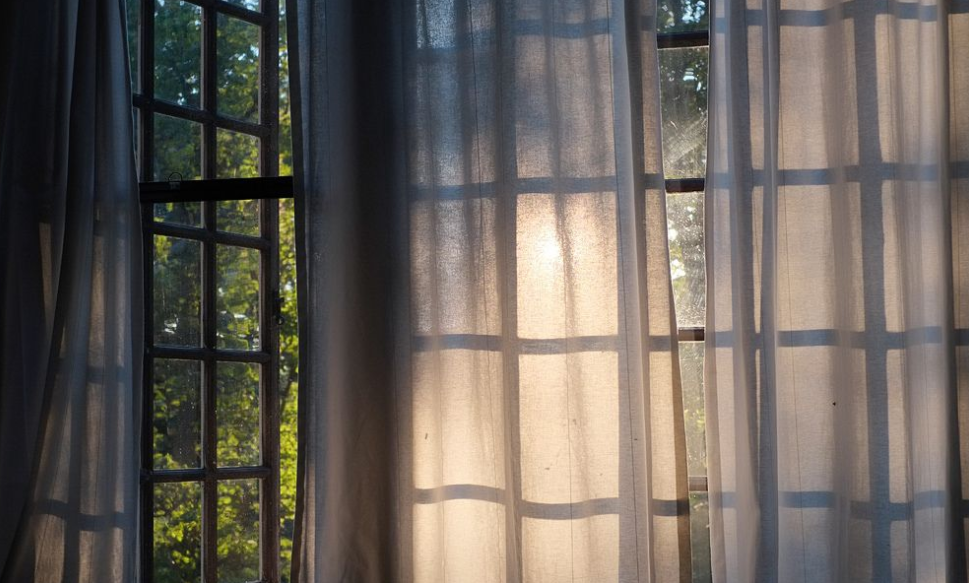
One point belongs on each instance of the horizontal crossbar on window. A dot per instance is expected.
(200, 116)
(217, 354)
(697, 483)
(217, 189)
(232, 10)
(200, 234)
(690, 334)
(678, 40)
(200, 474)
(685, 185)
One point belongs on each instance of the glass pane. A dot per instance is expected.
(682, 15)
(238, 545)
(182, 213)
(285, 118)
(178, 148)
(238, 216)
(687, 265)
(288, 382)
(177, 532)
(238, 66)
(683, 84)
(700, 536)
(133, 10)
(691, 371)
(237, 299)
(178, 52)
(177, 417)
(237, 408)
(177, 297)
(237, 155)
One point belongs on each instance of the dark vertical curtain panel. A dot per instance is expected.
(836, 322)
(70, 296)
(490, 388)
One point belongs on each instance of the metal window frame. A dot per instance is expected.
(679, 40)
(209, 355)
(209, 191)
(208, 116)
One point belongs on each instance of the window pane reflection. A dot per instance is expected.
(687, 263)
(238, 520)
(177, 294)
(237, 410)
(176, 415)
(177, 532)
(683, 88)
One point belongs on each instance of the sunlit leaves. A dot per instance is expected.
(177, 532)
(682, 15)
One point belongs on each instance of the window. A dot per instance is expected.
(683, 42)
(220, 368)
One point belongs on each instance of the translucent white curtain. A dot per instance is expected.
(70, 296)
(830, 338)
(490, 389)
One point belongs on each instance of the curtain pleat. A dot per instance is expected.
(490, 387)
(70, 294)
(834, 220)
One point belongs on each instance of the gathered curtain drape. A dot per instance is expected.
(489, 378)
(837, 306)
(70, 294)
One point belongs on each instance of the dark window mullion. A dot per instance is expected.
(146, 87)
(269, 391)
(199, 474)
(210, 494)
(236, 11)
(269, 90)
(209, 89)
(240, 12)
(209, 395)
(148, 401)
(225, 238)
(202, 116)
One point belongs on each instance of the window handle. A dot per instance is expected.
(278, 318)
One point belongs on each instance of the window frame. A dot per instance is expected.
(688, 334)
(208, 116)
(678, 40)
(268, 191)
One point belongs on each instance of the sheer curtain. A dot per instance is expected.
(834, 179)
(70, 293)
(490, 385)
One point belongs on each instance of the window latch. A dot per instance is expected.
(173, 182)
(278, 302)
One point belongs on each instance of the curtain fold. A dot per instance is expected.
(835, 258)
(490, 385)
(70, 259)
